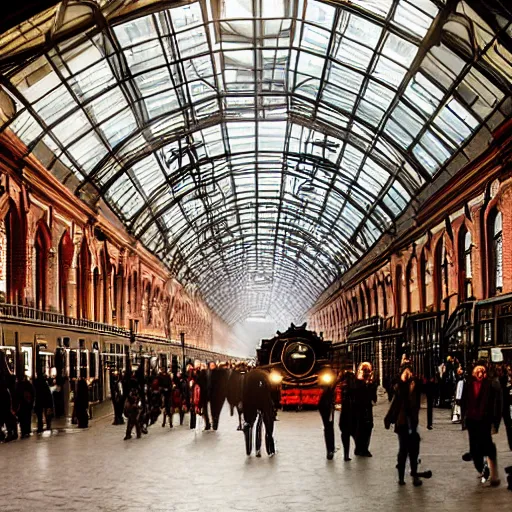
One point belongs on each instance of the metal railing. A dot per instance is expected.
(16, 311)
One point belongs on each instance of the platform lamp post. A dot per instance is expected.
(182, 338)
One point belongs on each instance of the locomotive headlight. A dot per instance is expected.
(326, 377)
(275, 377)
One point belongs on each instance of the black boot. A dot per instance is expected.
(401, 474)
(248, 438)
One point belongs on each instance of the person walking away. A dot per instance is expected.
(483, 416)
(365, 397)
(404, 414)
(326, 409)
(165, 383)
(43, 403)
(347, 418)
(25, 398)
(82, 403)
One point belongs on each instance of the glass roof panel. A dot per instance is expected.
(258, 148)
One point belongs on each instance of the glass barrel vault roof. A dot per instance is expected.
(259, 148)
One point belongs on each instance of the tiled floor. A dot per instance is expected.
(75, 470)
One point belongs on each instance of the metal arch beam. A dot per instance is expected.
(348, 248)
(326, 165)
(249, 223)
(307, 264)
(319, 125)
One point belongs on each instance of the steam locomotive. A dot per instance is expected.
(299, 362)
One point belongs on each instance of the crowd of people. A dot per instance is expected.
(481, 398)
(200, 392)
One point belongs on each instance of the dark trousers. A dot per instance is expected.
(207, 424)
(47, 417)
(266, 418)
(25, 419)
(345, 441)
(118, 411)
(82, 417)
(216, 406)
(480, 442)
(363, 437)
(193, 417)
(328, 421)
(133, 422)
(408, 446)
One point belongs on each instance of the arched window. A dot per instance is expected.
(440, 274)
(129, 297)
(423, 280)
(369, 308)
(376, 298)
(15, 252)
(408, 291)
(362, 301)
(384, 298)
(42, 243)
(398, 294)
(465, 264)
(97, 294)
(65, 261)
(355, 309)
(495, 230)
(83, 280)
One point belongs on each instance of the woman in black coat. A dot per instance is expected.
(404, 414)
(25, 398)
(82, 403)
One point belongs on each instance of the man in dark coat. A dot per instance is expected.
(257, 399)
(365, 396)
(43, 404)
(326, 409)
(235, 390)
(404, 414)
(483, 412)
(25, 395)
(347, 416)
(204, 382)
(219, 384)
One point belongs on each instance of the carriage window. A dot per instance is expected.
(72, 364)
(83, 364)
(92, 365)
(487, 333)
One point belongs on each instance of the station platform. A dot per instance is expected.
(188, 471)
